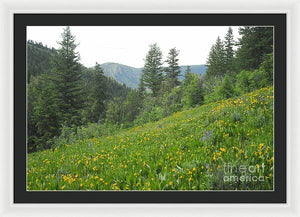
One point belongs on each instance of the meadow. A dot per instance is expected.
(188, 150)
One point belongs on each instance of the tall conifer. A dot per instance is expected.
(68, 80)
(153, 70)
(173, 69)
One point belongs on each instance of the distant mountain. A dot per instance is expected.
(197, 69)
(123, 74)
(130, 75)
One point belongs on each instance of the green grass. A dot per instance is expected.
(188, 150)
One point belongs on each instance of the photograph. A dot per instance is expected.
(150, 108)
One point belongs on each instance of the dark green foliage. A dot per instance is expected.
(216, 60)
(152, 71)
(39, 59)
(132, 106)
(45, 114)
(32, 96)
(115, 89)
(98, 94)
(188, 77)
(68, 80)
(141, 87)
(248, 81)
(229, 52)
(254, 45)
(267, 67)
(173, 69)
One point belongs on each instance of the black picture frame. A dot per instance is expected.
(23, 20)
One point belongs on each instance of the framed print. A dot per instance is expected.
(137, 111)
(158, 129)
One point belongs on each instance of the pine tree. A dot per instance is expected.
(229, 52)
(187, 76)
(132, 105)
(216, 60)
(173, 69)
(67, 79)
(188, 71)
(141, 87)
(152, 71)
(46, 113)
(98, 93)
(254, 45)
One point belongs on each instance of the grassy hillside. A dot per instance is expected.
(190, 150)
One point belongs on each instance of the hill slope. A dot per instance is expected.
(39, 58)
(188, 150)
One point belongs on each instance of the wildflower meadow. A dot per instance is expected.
(224, 145)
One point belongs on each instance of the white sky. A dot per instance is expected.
(129, 45)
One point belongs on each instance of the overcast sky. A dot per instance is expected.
(129, 45)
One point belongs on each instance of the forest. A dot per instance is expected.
(165, 124)
(63, 95)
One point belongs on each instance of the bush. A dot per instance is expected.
(70, 134)
(258, 79)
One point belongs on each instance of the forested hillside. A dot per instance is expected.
(38, 59)
(39, 62)
(44, 123)
(168, 133)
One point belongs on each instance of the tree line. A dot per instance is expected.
(70, 97)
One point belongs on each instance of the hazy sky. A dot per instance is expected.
(129, 44)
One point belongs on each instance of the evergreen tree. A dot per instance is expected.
(141, 87)
(67, 80)
(229, 52)
(152, 71)
(99, 94)
(132, 105)
(188, 76)
(216, 60)
(188, 71)
(32, 96)
(254, 45)
(46, 113)
(173, 69)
